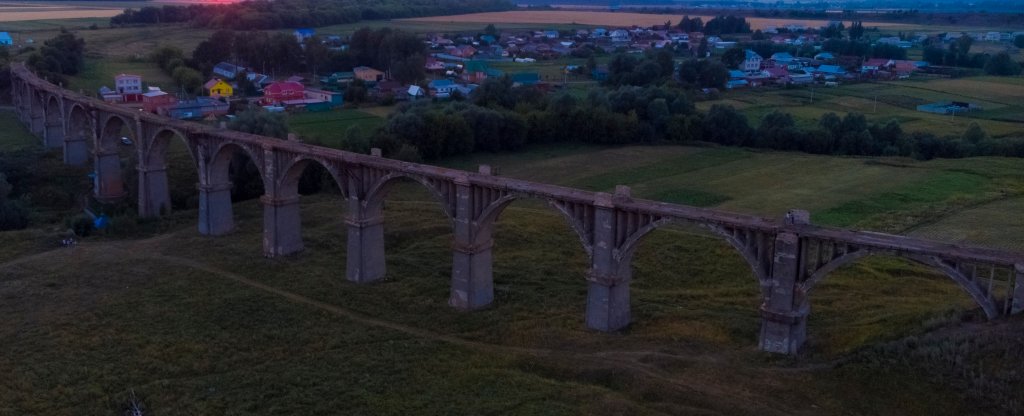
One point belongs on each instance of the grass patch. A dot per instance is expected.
(690, 197)
(329, 128)
(942, 187)
(15, 136)
(663, 168)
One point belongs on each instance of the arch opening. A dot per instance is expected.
(79, 140)
(690, 284)
(321, 208)
(230, 176)
(116, 158)
(881, 296)
(53, 129)
(170, 173)
(539, 271)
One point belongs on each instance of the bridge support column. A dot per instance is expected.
(38, 125)
(76, 151)
(215, 215)
(1018, 290)
(472, 274)
(608, 287)
(784, 312)
(365, 260)
(154, 195)
(282, 226)
(108, 183)
(53, 134)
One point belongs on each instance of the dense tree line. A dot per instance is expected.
(263, 15)
(726, 25)
(500, 117)
(958, 53)
(62, 55)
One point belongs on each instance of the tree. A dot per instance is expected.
(856, 30)
(216, 49)
(491, 30)
(702, 48)
(724, 125)
(733, 57)
(261, 122)
(974, 133)
(1001, 64)
(188, 79)
(316, 54)
(1019, 41)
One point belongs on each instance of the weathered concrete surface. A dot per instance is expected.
(788, 257)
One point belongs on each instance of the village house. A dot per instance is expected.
(5, 39)
(227, 71)
(201, 107)
(155, 100)
(283, 91)
(441, 88)
(216, 87)
(126, 84)
(333, 98)
(368, 74)
(751, 62)
(433, 64)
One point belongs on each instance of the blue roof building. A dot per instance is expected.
(5, 39)
(737, 74)
(831, 70)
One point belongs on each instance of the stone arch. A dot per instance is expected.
(747, 251)
(37, 118)
(80, 135)
(977, 294)
(377, 192)
(155, 153)
(220, 160)
(288, 184)
(53, 129)
(110, 128)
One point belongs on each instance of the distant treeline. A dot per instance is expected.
(261, 14)
(498, 117)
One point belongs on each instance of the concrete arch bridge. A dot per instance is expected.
(788, 256)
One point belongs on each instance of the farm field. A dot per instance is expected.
(26, 11)
(198, 325)
(329, 128)
(1001, 99)
(592, 18)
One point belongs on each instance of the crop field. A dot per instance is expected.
(592, 18)
(24, 11)
(1002, 112)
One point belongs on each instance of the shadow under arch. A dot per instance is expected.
(227, 177)
(53, 130)
(80, 138)
(168, 188)
(111, 155)
(442, 191)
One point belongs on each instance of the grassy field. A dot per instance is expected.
(196, 325)
(15, 137)
(1002, 112)
(329, 128)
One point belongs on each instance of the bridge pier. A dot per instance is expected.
(364, 262)
(282, 226)
(472, 285)
(154, 194)
(53, 134)
(215, 214)
(76, 151)
(784, 311)
(608, 288)
(1018, 290)
(38, 124)
(108, 183)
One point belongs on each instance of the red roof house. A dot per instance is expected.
(283, 91)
